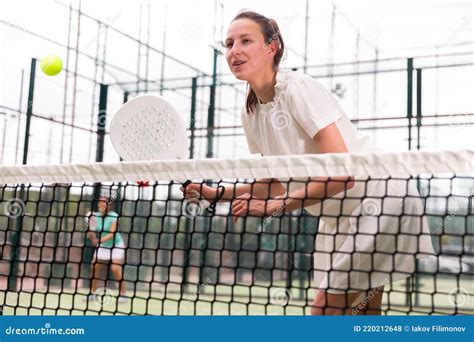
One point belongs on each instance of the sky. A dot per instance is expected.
(394, 28)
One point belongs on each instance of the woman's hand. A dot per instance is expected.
(196, 190)
(93, 238)
(95, 241)
(245, 205)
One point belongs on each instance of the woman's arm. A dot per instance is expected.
(268, 188)
(329, 140)
(261, 188)
(110, 235)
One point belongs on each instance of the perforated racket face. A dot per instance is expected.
(146, 128)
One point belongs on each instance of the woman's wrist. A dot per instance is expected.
(285, 204)
(277, 206)
(209, 193)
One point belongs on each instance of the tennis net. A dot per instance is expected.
(401, 224)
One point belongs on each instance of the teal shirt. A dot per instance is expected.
(103, 228)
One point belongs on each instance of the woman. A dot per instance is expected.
(110, 247)
(291, 113)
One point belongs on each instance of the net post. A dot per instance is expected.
(187, 254)
(120, 186)
(192, 123)
(188, 220)
(15, 249)
(16, 236)
(99, 157)
(409, 97)
(408, 282)
(290, 250)
(29, 109)
(419, 98)
(419, 95)
(101, 122)
(211, 110)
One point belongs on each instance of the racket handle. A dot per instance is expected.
(210, 207)
(195, 192)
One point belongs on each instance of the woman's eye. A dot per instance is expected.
(228, 45)
(245, 41)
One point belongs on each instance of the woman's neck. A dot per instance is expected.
(264, 86)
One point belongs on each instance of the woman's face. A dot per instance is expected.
(102, 205)
(246, 52)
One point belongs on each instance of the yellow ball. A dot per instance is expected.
(51, 65)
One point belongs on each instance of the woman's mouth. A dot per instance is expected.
(238, 64)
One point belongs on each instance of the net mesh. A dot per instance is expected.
(406, 236)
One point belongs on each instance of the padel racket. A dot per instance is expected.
(148, 128)
(91, 222)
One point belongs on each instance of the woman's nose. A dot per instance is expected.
(235, 49)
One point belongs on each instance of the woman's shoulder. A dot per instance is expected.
(298, 84)
(294, 76)
(298, 79)
(112, 214)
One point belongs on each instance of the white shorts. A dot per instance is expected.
(377, 243)
(116, 254)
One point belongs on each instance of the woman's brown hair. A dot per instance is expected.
(271, 32)
(108, 205)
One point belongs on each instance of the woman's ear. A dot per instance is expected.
(273, 47)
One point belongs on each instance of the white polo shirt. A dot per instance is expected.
(355, 249)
